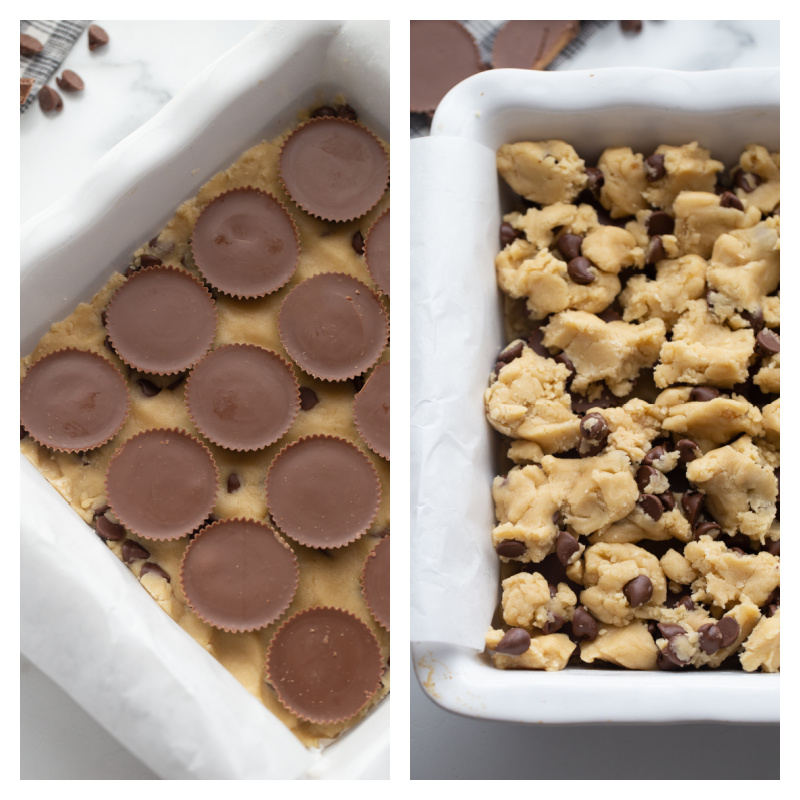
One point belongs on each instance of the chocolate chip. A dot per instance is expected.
(729, 628)
(508, 234)
(691, 502)
(667, 500)
(594, 428)
(768, 342)
(511, 352)
(668, 630)
(308, 398)
(323, 111)
(50, 99)
(100, 510)
(685, 601)
(553, 589)
(29, 45)
(569, 245)
(70, 81)
(233, 483)
(595, 179)
(702, 394)
(555, 624)
(610, 315)
(566, 547)
(149, 566)
(664, 662)
(108, 530)
(654, 454)
(510, 548)
(671, 654)
(654, 168)
(584, 625)
(655, 251)
(710, 638)
(755, 319)
(357, 243)
(346, 112)
(705, 529)
(147, 260)
(730, 200)
(631, 25)
(639, 590)
(133, 551)
(687, 451)
(563, 358)
(746, 181)
(514, 642)
(579, 269)
(644, 475)
(97, 37)
(149, 389)
(535, 343)
(651, 506)
(659, 223)
(773, 547)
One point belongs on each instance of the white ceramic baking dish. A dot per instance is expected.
(84, 620)
(457, 206)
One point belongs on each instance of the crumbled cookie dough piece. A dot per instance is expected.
(611, 249)
(540, 224)
(762, 649)
(543, 172)
(714, 422)
(704, 351)
(623, 582)
(765, 188)
(527, 603)
(549, 652)
(631, 647)
(528, 400)
(768, 378)
(677, 568)
(624, 182)
(688, 168)
(700, 219)
(614, 352)
(740, 487)
(633, 426)
(639, 526)
(677, 280)
(772, 423)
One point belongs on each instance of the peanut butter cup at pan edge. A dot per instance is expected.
(371, 410)
(325, 664)
(162, 320)
(239, 575)
(375, 582)
(242, 396)
(333, 326)
(376, 252)
(322, 491)
(162, 483)
(334, 169)
(245, 243)
(532, 43)
(73, 400)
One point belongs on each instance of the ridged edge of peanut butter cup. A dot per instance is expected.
(367, 410)
(378, 262)
(375, 582)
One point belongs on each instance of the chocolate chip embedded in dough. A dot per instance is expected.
(569, 245)
(70, 81)
(149, 389)
(563, 358)
(668, 630)
(97, 37)
(746, 181)
(710, 638)
(510, 548)
(308, 398)
(50, 99)
(705, 529)
(149, 566)
(323, 111)
(692, 502)
(595, 179)
(659, 223)
(671, 653)
(357, 243)
(29, 45)
(730, 200)
(654, 454)
(346, 111)
(147, 260)
(133, 551)
(594, 428)
(109, 531)
(667, 500)
(584, 625)
(688, 450)
(509, 353)
(234, 484)
(579, 270)
(639, 590)
(655, 250)
(664, 662)
(100, 510)
(651, 506)
(566, 547)
(509, 234)
(755, 318)
(729, 628)
(644, 475)
(773, 547)
(702, 394)
(514, 642)
(654, 168)
(768, 342)
(535, 342)
(555, 622)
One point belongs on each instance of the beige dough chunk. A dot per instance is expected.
(611, 249)
(613, 352)
(689, 168)
(549, 652)
(763, 647)
(638, 526)
(704, 351)
(623, 189)
(527, 602)
(771, 307)
(740, 487)
(543, 172)
(768, 378)
(772, 422)
(700, 220)
(540, 224)
(529, 401)
(522, 452)
(757, 160)
(714, 422)
(607, 570)
(727, 577)
(631, 647)
(542, 278)
(677, 280)
(632, 427)
(677, 568)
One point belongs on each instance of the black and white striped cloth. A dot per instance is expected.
(57, 37)
(485, 32)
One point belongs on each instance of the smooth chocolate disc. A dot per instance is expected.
(334, 168)
(375, 582)
(239, 575)
(325, 664)
(532, 43)
(333, 326)
(162, 484)
(371, 411)
(161, 320)
(73, 400)
(242, 397)
(323, 491)
(245, 243)
(443, 53)
(377, 252)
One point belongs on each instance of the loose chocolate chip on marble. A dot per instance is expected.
(149, 389)
(50, 99)
(654, 168)
(149, 566)
(659, 223)
(644, 475)
(667, 500)
(584, 625)
(705, 529)
(702, 394)
(668, 630)
(29, 45)
(594, 428)
(692, 502)
(555, 624)
(639, 590)
(357, 243)
(70, 81)
(510, 548)
(729, 628)
(511, 352)
(631, 25)
(687, 451)
(569, 245)
(346, 112)
(97, 37)
(595, 179)
(508, 234)
(233, 483)
(133, 551)
(579, 269)
(655, 250)
(108, 530)
(746, 181)
(710, 638)
(323, 111)
(514, 642)
(566, 547)
(768, 342)
(730, 200)
(651, 506)
(308, 398)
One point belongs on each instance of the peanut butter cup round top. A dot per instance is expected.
(73, 400)
(377, 252)
(334, 169)
(161, 320)
(375, 582)
(162, 484)
(323, 491)
(333, 326)
(239, 575)
(245, 243)
(242, 397)
(371, 411)
(325, 664)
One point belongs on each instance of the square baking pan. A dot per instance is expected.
(84, 620)
(457, 207)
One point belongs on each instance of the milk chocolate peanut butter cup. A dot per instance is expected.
(532, 43)
(161, 320)
(162, 484)
(325, 665)
(239, 575)
(243, 397)
(334, 168)
(323, 491)
(73, 400)
(377, 252)
(371, 411)
(245, 243)
(333, 326)
(375, 582)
